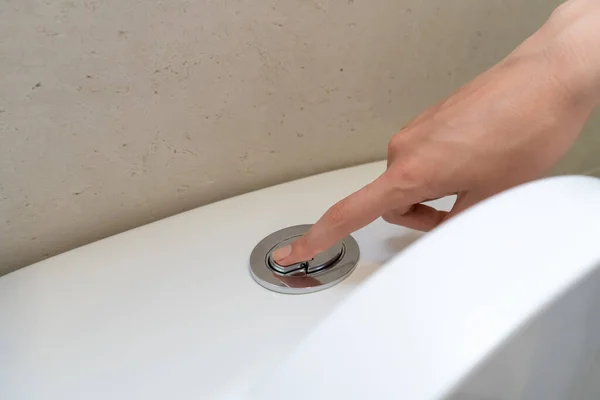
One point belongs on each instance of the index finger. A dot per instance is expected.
(350, 214)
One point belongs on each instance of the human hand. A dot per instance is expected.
(506, 127)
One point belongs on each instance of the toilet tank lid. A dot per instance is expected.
(438, 309)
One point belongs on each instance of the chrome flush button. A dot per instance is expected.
(325, 270)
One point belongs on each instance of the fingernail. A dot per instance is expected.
(282, 253)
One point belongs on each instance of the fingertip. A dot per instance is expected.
(293, 253)
(280, 254)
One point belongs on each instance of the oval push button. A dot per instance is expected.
(325, 270)
(318, 263)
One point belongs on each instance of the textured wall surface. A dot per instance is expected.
(117, 113)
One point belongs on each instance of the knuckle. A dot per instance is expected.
(396, 143)
(562, 11)
(411, 176)
(567, 12)
(407, 171)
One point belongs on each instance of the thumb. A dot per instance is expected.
(424, 218)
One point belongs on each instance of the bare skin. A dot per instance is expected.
(508, 126)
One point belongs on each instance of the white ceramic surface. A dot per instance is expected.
(169, 310)
(508, 292)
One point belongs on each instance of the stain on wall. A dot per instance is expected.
(115, 113)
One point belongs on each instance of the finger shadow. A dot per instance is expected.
(398, 244)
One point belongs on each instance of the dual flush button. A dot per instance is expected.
(323, 271)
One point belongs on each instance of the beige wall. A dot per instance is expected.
(117, 113)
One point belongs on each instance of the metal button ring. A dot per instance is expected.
(323, 271)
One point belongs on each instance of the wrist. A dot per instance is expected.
(572, 38)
